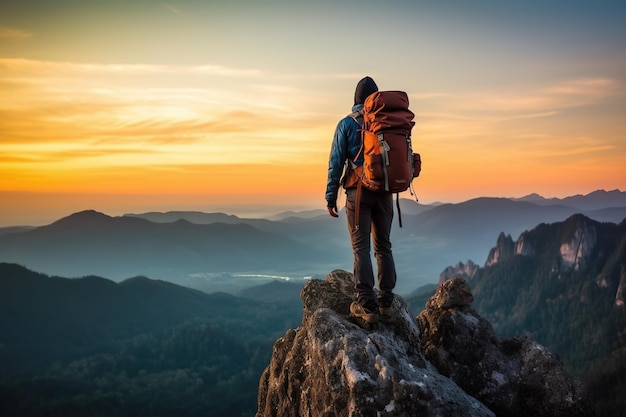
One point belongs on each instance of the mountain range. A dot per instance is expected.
(221, 252)
(89, 242)
(596, 200)
(75, 342)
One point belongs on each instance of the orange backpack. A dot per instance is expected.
(389, 164)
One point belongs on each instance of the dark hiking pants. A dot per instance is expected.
(375, 218)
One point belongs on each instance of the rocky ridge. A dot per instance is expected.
(334, 366)
(576, 245)
(575, 249)
(464, 270)
(513, 377)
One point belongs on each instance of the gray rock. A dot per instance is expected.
(513, 377)
(333, 367)
(449, 363)
(467, 271)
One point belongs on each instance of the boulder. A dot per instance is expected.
(513, 377)
(333, 366)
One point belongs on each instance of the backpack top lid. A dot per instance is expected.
(388, 111)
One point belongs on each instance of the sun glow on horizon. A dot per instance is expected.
(110, 137)
(238, 117)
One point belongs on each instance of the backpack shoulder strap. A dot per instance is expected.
(357, 116)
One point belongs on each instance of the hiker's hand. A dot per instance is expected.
(333, 211)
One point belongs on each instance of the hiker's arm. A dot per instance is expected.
(336, 161)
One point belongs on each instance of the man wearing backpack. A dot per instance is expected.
(374, 213)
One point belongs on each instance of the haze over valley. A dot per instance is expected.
(221, 252)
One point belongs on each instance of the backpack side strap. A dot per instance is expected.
(398, 207)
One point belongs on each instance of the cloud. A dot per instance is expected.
(41, 67)
(172, 8)
(64, 153)
(104, 115)
(561, 95)
(10, 33)
(53, 101)
(223, 71)
(529, 116)
(584, 91)
(74, 113)
(489, 115)
(36, 67)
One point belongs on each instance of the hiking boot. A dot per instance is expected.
(385, 311)
(385, 301)
(369, 316)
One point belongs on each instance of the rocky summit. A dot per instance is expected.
(513, 377)
(448, 362)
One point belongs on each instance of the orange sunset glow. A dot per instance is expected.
(189, 105)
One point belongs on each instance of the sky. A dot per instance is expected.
(133, 106)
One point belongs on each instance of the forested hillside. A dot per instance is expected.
(564, 284)
(142, 347)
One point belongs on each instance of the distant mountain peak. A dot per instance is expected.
(196, 217)
(91, 213)
(504, 249)
(81, 217)
(577, 236)
(531, 197)
(594, 200)
(570, 247)
(467, 270)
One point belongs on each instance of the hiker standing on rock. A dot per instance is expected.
(374, 214)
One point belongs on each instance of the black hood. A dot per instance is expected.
(364, 88)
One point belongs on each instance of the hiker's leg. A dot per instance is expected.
(360, 239)
(382, 218)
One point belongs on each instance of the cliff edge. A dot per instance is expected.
(448, 362)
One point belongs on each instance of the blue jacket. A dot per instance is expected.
(345, 147)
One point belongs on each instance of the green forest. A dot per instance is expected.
(570, 310)
(184, 371)
(90, 347)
